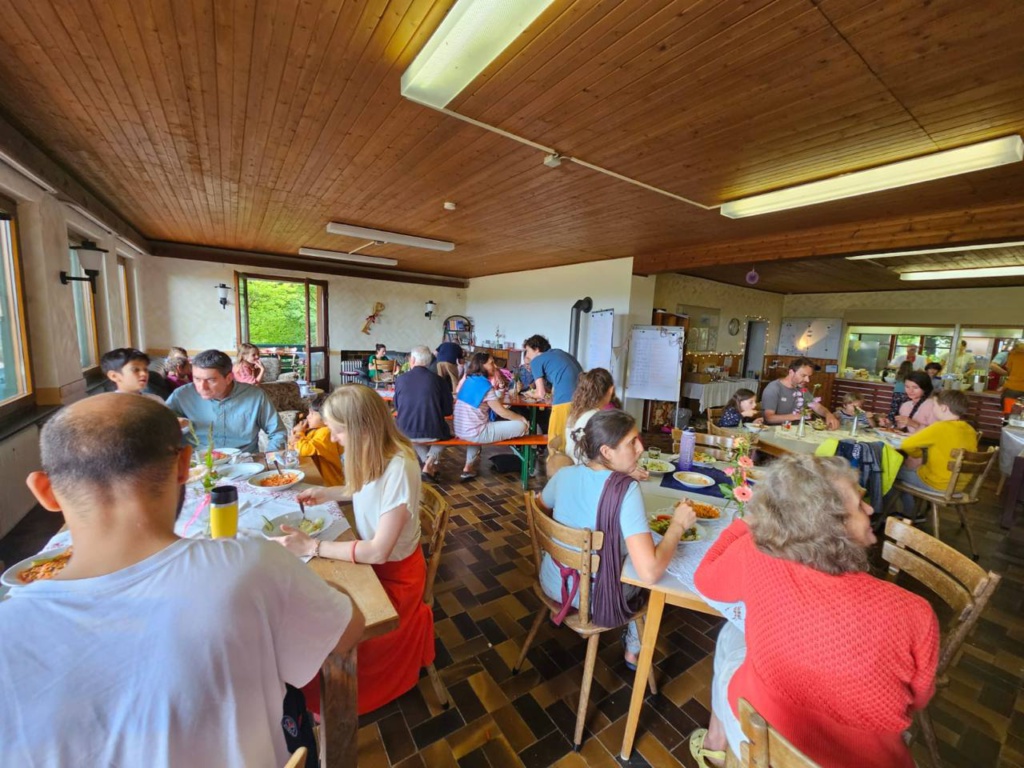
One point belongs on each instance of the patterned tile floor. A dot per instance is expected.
(485, 605)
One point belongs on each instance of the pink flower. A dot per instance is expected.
(730, 471)
(742, 493)
(745, 461)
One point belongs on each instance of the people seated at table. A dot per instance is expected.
(852, 410)
(594, 391)
(741, 409)
(248, 369)
(149, 649)
(237, 411)
(558, 369)
(836, 660)
(384, 485)
(422, 401)
(177, 368)
(449, 356)
(784, 399)
(475, 410)
(380, 353)
(933, 444)
(127, 369)
(600, 494)
(312, 437)
(917, 411)
(935, 371)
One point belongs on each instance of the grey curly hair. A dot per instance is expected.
(798, 512)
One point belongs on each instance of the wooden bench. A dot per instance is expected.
(526, 442)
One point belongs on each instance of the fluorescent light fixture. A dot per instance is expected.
(471, 36)
(383, 236)
(358, 258)
(957, 274)
(927, 251)
(951, 162)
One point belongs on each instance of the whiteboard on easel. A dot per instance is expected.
(599, 339)
(655, 362)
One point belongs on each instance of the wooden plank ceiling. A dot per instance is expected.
(249, 124)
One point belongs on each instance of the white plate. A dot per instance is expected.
(240, 471)
(256, 480)
(755, 428)
(656, 467)
(225, 455)
(10, 576)
(292, 520)
(693, 479)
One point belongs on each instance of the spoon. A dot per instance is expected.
(278, 467)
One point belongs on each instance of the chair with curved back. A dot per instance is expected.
(434, 516)
(577, 548)
(960, 583)
(969, 470)
(714, 414)
(764, 746)
(385, 372)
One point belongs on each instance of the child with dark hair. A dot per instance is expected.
(741, 409)
(312, 437)
(128, 369)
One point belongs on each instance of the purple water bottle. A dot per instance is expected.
(687, 442)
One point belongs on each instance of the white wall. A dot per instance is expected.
(540, 301)
(675, 292)
(181, 308)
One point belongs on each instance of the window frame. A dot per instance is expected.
(126, 292)
(27, 400)
(93, 331)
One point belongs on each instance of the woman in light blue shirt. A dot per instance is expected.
(610, 443)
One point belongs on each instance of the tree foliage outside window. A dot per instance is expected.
(277, 313)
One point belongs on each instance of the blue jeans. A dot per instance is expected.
(911, 478)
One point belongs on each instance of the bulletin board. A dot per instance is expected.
(599, 339)
(655, 362)
(811, 337)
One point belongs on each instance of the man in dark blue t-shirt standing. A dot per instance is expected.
(558, 369)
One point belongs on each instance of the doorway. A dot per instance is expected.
(754, 349)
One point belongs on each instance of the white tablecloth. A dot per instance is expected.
(1011, 444)
(716, 393)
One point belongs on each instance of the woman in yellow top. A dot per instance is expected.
(312, 437)
(935, 442)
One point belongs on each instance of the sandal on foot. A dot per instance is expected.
(465, 477)
(699, 753)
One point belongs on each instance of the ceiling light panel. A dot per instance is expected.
(940, 165)
(471, 36)
(382, 235)
(964, 274)
(928, 251)
(356, 258)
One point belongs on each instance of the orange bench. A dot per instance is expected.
(527, 442)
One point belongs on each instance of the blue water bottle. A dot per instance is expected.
(687, 442)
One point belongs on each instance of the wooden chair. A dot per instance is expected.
(963, 585)
(577, 548)
(714, 414)
(968, 467)
(434, 516)
(765, 747)
(385, 369)
(298, 759)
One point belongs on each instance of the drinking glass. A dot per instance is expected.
(654, 453)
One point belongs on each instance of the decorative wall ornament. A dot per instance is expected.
(371, 319)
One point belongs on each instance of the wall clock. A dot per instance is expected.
(734, 326)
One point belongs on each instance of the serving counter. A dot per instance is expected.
(986, 411)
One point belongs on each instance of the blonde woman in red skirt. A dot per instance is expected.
(383, 482)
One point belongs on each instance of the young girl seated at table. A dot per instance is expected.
(177, 368)
(248, 368)
(741, 409)
(312, 437)
(383, 476)
(853, 408)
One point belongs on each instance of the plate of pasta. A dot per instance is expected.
(276, 481)
(44, 565)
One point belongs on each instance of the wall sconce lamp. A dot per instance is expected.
(222, 295)
(90, 278)
(430, 307)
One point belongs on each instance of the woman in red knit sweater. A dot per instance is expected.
(834, 659)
